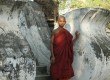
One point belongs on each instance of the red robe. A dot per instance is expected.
(63, 52)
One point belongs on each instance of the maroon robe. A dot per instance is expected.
(63, 52)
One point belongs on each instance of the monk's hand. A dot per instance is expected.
(52, 59)
(77, 34)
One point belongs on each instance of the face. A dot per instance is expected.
(61, 21)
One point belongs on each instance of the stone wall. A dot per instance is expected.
(24, 40)
(92, 49)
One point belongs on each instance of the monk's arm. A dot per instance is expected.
(76, 36)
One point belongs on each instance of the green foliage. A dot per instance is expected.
(85, 3)
(62, 4)
(108, 25)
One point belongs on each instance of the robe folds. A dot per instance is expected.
(63, 52)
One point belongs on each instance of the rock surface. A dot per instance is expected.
(24, 40)
(92, 49)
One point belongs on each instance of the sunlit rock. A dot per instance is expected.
(92, 49)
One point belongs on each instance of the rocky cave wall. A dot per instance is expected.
(24, 40)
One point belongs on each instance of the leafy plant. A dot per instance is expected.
(84, 3)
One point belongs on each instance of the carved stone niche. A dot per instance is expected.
(50, 9)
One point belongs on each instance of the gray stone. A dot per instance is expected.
(24, 39)
(43, 77)
(92, 49)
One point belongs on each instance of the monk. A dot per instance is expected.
(61, 52)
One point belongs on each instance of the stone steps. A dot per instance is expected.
(41, 73)
(42, 77)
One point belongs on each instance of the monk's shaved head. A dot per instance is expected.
(61, 16)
